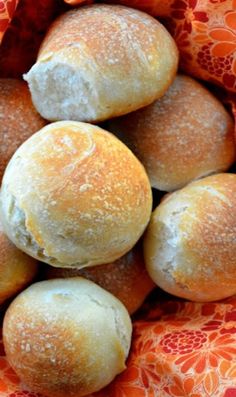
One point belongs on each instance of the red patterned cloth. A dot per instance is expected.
(7, 9)
(23, 24)
(179, 349)
(205, 33)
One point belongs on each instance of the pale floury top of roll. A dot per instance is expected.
(183, 136)
(190, 244)
(74, 195)
(101, 61)
(66, 337)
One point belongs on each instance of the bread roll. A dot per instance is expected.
(185, 135)
(66, 337)
(126, 278)
(190, 244)
(101, 61)
(17, 269)
(73, 195)
(18, 118)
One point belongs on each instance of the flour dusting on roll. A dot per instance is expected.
(18, 118)
(190, 243)
(183, 136)
(101, 61)
(126, 278)
(73, 195)
(66, 337)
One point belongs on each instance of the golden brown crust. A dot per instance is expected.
(66, 337)
(17, 269)
(18, 118)
(74, 195)
(185, 135)
(126, 278)
(190, 244)
(126, 58)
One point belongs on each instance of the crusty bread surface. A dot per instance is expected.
(126, 278)
(73, 195)
(66, 337)
(183, 136)
(190, 243)
(101, 61)
(17, 269)
(18, 118)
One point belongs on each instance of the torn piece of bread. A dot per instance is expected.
(101, 61)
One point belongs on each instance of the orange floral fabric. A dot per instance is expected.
(23, 24)
(7, 9)
(179, 349)
(205, 32)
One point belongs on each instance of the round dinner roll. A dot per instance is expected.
(17, 269)
(101, 61)
(185, 135)
(18, 118)
(190, 243)
(73, 195)
(126, 278)
(66, 337)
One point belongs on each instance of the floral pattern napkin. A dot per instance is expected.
(23, 24)
(7, 9)
(181, 349)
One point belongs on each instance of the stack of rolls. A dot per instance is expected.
(79, 198)
(18, 121)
